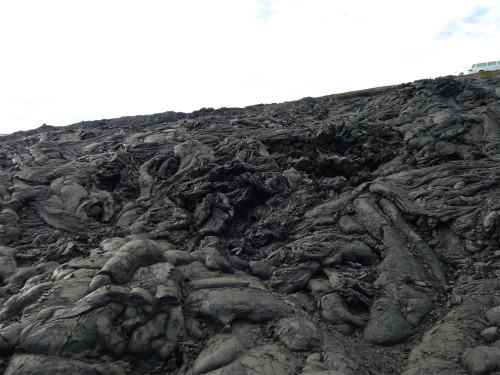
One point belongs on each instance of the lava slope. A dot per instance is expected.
(352, 234)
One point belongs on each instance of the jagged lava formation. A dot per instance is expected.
(353, 234)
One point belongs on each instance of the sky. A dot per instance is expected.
(67, 61)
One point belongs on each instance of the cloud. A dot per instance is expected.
(477, 15)
(265, 11)
(454, 27)
(449, 30)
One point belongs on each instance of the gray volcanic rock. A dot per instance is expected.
(226, 304)
(298, 334)
(29, 364)
(352, 234)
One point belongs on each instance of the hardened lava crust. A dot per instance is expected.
(351, 234)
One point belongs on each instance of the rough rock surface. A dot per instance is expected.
(353, 234)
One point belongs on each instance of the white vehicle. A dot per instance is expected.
(492, 65)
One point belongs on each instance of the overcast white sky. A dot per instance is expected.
(66, 61)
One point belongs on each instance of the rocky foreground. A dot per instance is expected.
(353, 234)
